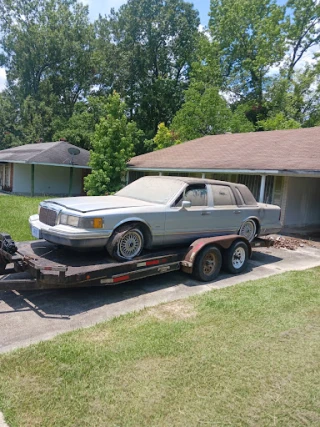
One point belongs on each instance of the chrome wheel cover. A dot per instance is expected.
(248, 230)
(238, 257)
(130, 245)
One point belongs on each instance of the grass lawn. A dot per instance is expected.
(15, 212)
(245, 355)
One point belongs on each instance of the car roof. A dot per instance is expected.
(189, 180)
(244, 190)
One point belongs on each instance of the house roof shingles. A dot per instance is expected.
(283, 150)
(54, 153)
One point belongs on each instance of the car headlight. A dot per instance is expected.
(71, 220)
(91, 222)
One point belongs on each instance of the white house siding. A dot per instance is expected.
(302, 202)
(51, 180)
(21, 179)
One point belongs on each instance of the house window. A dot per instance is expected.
(5, 177)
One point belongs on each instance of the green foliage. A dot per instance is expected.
(46, 49)
(9, 135)
(239, 122)
(154, 43)
(278, 122)
(246, 67)
(36, 120)
(250, 39)
(163, 139)
(112, 146)
(297, 98)
(241, 356)
(15, 212)
(302, 30)
(79, 129)
(204, 112)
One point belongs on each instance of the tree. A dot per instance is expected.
(154, 42)
(249, 36)
(47, 46)
(302, 30)
(206, 112)
(239, 122)
(112, 147)
(79, 129)
(35, 121)
(163, 139)
(278, 122)
(297, 98)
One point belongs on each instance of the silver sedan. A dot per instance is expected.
(154, 211)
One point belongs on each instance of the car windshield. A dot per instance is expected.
(153, 190)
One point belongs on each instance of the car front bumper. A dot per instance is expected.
(69, 236)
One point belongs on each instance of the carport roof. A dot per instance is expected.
(285, 151)
(46, 153)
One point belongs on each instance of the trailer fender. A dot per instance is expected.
(222, 242)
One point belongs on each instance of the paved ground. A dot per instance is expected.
(2, 421)
(31, 316)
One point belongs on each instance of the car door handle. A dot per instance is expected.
(236, 212)
(206, 213)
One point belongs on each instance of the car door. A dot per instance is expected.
(183, 225)
(226, 215)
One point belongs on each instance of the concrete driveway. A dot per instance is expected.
(31, 316)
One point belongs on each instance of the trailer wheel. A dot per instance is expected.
(236, 257)
(126, 243)
(208, 264)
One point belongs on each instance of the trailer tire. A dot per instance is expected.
(208, 264)
(126, 243)
(236, 257)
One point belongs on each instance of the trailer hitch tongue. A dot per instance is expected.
(7, 244)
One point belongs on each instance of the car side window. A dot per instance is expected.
(239, 196)
(196, 194)
(222, 195)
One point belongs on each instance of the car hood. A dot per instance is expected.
(97, 203)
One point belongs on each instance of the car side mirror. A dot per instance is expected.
(186, 204)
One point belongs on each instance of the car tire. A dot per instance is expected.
(236, 257)
(126, 243)
(248, 230)
(208, 264)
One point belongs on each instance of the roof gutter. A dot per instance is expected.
(44, 164)
(279, 172)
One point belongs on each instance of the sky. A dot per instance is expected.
(103, 7)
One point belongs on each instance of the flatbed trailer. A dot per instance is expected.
(42, 265)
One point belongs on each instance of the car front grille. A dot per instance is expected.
(48, 216)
